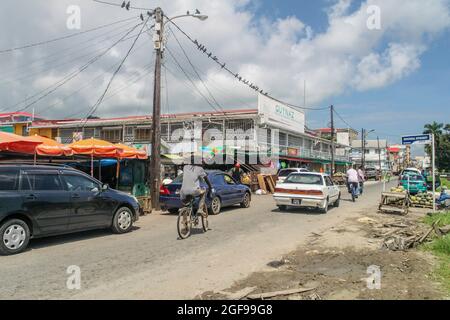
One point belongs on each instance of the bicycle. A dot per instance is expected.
(188, 219)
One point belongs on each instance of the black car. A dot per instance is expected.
(40, 201)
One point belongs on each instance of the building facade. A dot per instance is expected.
(375, 154)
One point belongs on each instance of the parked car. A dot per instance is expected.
(284, 173)
(371, 173)
(412, 171)
(40, 201)
(414, 183)
(228, 192)
(314, 190)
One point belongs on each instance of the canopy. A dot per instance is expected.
(15, 143)
(49, 147)
(95, 147)
(127, 152)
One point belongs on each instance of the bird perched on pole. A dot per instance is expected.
(128, 6)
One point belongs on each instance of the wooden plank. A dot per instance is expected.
(261, 182)
(270, 184)
(274, 294)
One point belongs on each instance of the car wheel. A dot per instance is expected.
(283, 208)
(325, 209)
(338, 201)
(14, 237)
(216, 206)
(122, 221)
(246, 202)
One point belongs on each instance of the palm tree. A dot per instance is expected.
(434, 128)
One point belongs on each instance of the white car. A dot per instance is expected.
(307, 189)
(284, 173)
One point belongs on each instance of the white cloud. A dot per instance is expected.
(278, 55)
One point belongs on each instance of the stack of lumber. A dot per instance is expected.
(267, 183)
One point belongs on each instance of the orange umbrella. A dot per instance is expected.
(15, 143)
(95, 147)
(128, 152)
(49, 147)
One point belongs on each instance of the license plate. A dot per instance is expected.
(297, 202)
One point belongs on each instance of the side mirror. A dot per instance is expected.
(105, 187)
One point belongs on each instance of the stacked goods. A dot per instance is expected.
(422, 200)
(399, 189)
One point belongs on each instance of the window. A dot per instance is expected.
(80, 183)
(112, 135)
(41, 182)
(141, 134)
(8, 181)
(328, 182)
(218, 180)
(309, 179)
(285, 173)
(229, 180)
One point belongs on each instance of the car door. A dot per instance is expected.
(91, 207)
(45, 200)
(235, 191)
(222, 190)
(332, 190)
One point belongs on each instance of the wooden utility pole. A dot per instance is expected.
(363, 148)
(333, 147)
(155, 159)
(379, 155)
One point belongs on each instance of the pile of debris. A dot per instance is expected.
(402, 235)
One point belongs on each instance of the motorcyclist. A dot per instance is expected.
(193, 174)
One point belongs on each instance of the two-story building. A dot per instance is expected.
(375, 154)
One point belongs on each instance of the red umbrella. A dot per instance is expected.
(15, 143)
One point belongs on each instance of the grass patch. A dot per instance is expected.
(440, 247)
(444, 182)
(444, 219)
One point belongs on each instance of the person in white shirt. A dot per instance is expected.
(353, 182)
(362, 179)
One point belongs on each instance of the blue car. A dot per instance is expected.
(227, 193)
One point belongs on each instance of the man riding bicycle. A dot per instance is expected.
(193, 173)
(353, 182)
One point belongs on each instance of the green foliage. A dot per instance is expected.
(444, 219)
(442, 136)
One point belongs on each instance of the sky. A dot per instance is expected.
(392, 77)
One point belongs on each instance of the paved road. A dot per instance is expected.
(150, 262)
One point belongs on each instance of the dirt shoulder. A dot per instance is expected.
(335, 262)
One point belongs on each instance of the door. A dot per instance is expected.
(91, 207)
(222, 191)
(46, 201)
(235, 190)
(333, 192)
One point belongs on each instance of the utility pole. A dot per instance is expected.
(379, 154)
(155, 160)
(332, 141)
(363, 148)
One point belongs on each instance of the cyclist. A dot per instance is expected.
(193, 173)
(353, 182)
(361, 179)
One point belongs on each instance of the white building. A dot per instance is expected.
(375, 153)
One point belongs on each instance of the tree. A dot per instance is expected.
(442, 139)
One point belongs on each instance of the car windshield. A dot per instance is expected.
(285, 173)
(414, 178)
(310, 179)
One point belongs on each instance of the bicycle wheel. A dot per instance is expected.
(184, 223)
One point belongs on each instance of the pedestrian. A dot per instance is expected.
(361, 179)
(237, 172)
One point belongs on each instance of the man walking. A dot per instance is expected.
(361, 179)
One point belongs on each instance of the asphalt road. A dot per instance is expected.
(151, 263)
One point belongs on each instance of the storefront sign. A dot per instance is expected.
(280, 115)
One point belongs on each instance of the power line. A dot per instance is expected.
(123, 5)
(99, 101)
(63, 38)
(69, 77)
(192, 81)
(246, 82)
(71, 49)
(196, 72)
(343, 120)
